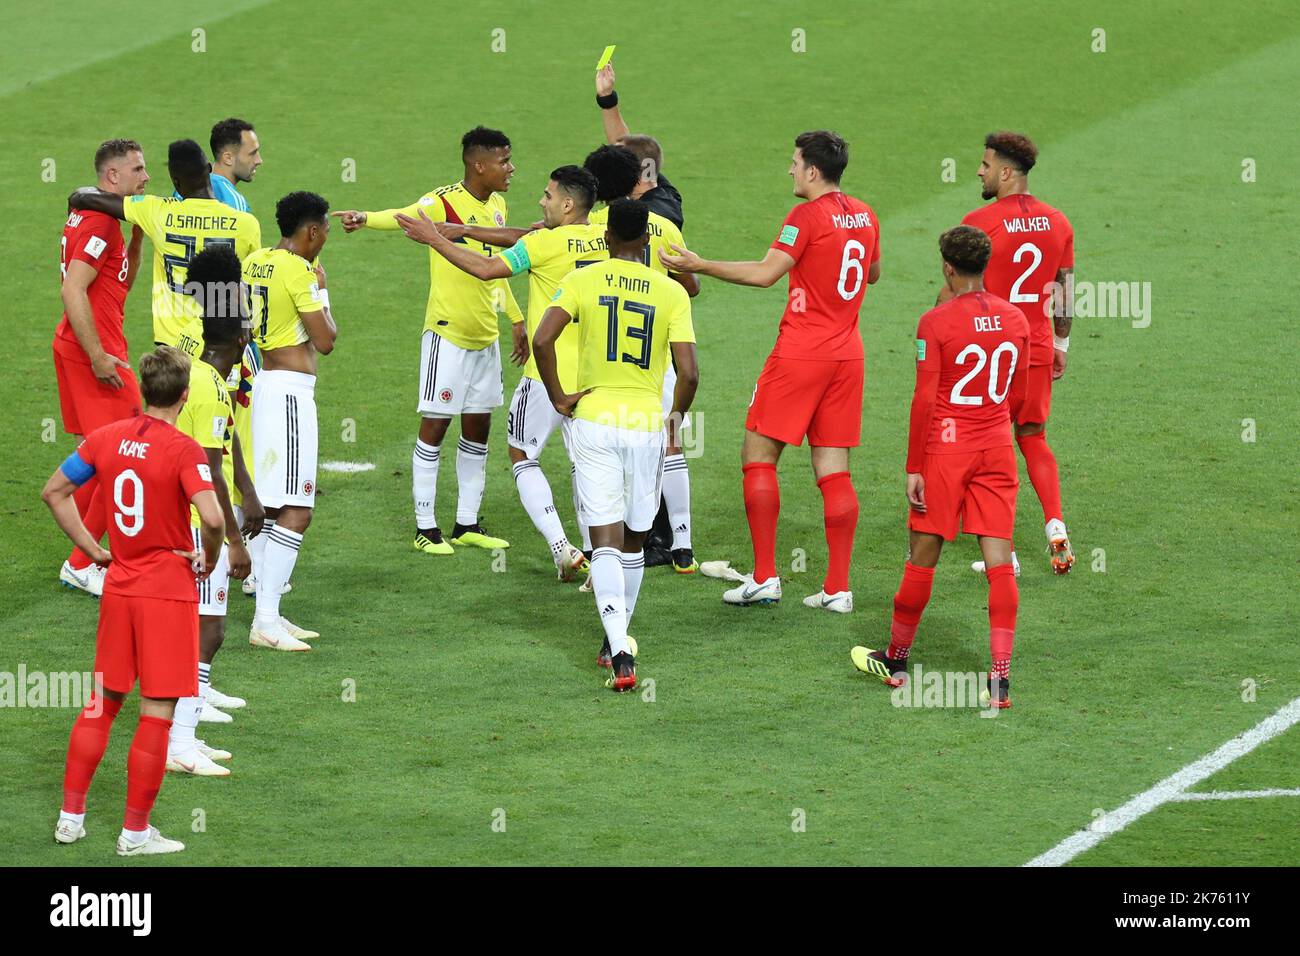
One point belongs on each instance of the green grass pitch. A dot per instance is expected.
(476, 696)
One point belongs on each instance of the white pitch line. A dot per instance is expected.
(1236, 794)
(1173, 787)
(348, 467)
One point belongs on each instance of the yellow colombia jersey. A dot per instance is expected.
(461, 309)
(548, 255)
(208, 417)
(662, 232)
(282, 288)
(626, 315)
(178, 229)
(240, 388)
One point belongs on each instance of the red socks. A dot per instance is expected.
(90, 506)
(1004, 600)
(86, 748)
(762, 506)
(914, 593)
(145, 766)
(909, 604)
(840, 510)
(1041, 465)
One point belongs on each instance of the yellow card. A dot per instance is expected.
(605, 58)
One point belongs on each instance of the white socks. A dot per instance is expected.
(607, 584)
(677, 497)
(277, 567)
(471, 478)
(633, 572)
(257, 549)
(205, 676)
(184, 720)
(535, 494)
(424, 483)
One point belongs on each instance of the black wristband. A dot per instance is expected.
(607, 102)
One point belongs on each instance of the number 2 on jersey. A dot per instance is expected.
(1036, 255)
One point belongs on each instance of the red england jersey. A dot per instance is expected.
(833, 240)
(972, 355)
(96, 238)
(149, 471)
(1031, 242)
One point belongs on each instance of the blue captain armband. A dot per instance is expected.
(76, 470)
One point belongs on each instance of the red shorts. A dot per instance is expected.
(798, 397)
(976, 490)
(153, 639)
(1038, 395)
(86, 402)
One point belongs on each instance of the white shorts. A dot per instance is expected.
(618, 474)
(670, 386)
(214, 588)
(533, 419)
(284, 438)
(457, 381)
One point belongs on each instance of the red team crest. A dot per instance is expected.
(445, 396)
(308, 488)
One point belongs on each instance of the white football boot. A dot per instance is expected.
(841, 602)
(89, 579)
(275, 637)
(978, 566)
(210, 715)
(752, 592)
(154, 842)
(301, 633)
(68, 831)
(212, 753)
(217, 699)
(196, 762)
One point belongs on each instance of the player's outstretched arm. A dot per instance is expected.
(87, 198)
(615, 127)
(762, 274)
(57, 495)
(423, 230)
(503, 236)
(385, 219)
(76, 302)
